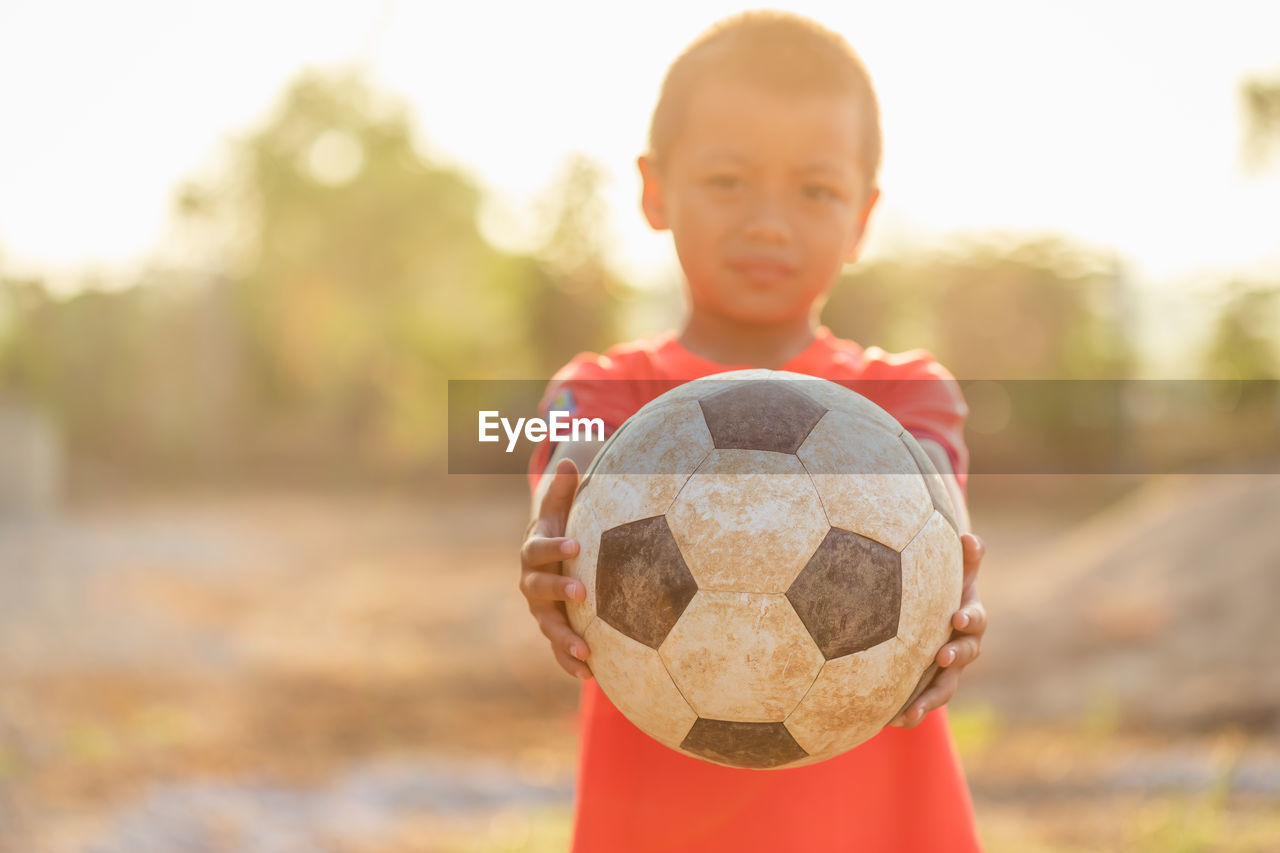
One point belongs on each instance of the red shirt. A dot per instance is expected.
(901, 791)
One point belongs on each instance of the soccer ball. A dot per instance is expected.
(771, 564)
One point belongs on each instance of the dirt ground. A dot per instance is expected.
(271, 670)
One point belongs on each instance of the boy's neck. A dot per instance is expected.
(729, 343)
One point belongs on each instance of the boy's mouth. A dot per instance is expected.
(762, 270)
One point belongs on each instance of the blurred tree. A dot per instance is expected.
(1261, 97)
(1046, 311)
(332, 279)
(24, 302)
(573, 301)
(362, 281)
(886, 302)
(1043, 309)
(1243, 344)
(78, 357)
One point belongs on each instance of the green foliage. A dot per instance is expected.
(90, 342)
(366, 283)
(338, 279)
(139, 373)
(1243, 344)
(571, 303)
(1243, 348)
(1044, 310)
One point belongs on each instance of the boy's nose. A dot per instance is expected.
(767, 223)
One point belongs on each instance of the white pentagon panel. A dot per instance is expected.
(671, 439)
(853, 698)
(745, 657)
(584, 527)
(932, 581)
(748, 520)
(867, 480)
(649, 463)
(632, 675)
(841, 399)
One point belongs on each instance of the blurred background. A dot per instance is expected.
(243, 248)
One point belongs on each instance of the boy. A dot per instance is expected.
(764, 149)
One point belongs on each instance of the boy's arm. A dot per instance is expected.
(545, 545)
(969, 622)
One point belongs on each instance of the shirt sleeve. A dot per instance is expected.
(589, 386)
(927, 401)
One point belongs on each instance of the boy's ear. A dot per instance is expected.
(651, 197)
(855, 236)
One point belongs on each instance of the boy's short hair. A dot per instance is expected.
(779, 51)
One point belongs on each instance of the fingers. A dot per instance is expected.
(541, 587)
(974, 550)
(544, 590)
(574, 667)
(951, 659)
(554, 509)
(959, 653)
(556, 628)
(570, 650)
(971, 618)
(936, 695)
(545, 550)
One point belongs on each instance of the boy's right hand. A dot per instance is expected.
(541, 582)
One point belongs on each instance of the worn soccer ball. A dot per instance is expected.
(771, 564)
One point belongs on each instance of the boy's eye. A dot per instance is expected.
(725, 182)
(820, 192)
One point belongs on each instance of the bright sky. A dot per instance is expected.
(1117, 124)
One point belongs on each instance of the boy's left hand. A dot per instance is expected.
(970, 623)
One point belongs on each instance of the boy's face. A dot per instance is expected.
(765, 197)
